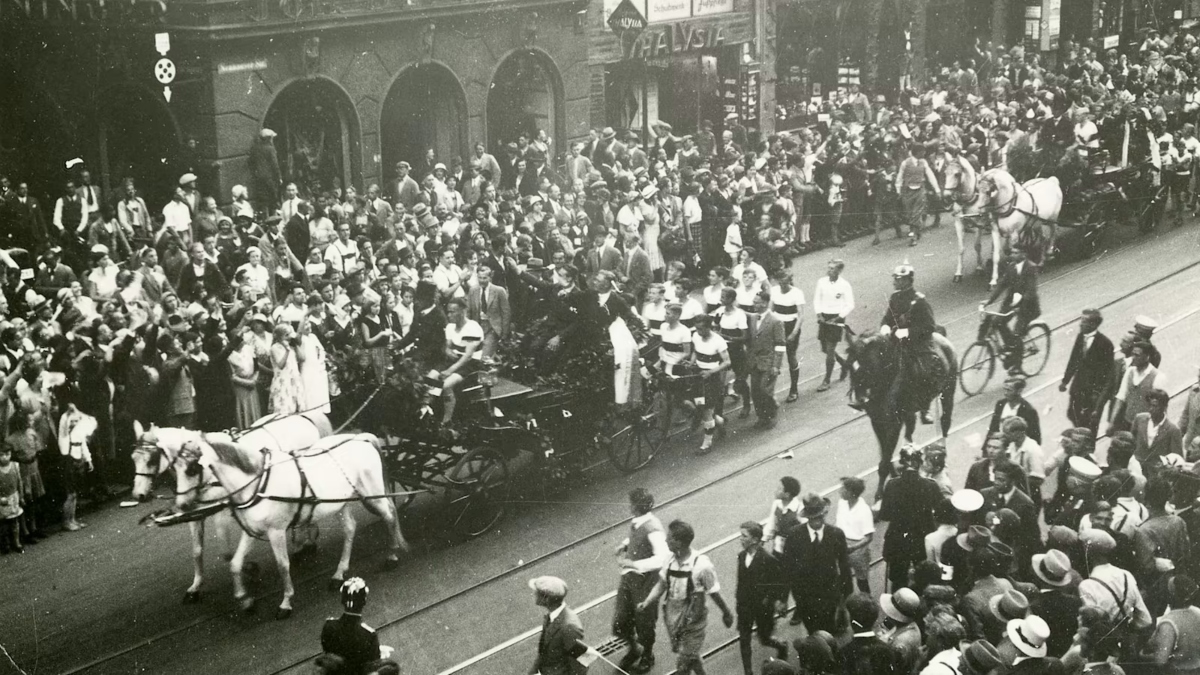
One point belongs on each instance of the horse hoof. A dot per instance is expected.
(335, 584)
(958, 278)
(191, 597)
(283, 613)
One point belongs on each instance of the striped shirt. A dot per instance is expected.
(471, 333)
(708, 351)
(732, 323)
(654, 315)
(673, 349)
(786, 305)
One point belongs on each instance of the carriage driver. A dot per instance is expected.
(351, 647)
(909, 319)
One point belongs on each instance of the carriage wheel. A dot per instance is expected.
(636, 435)
(976, 367)
(1037, 349)
(477, 490)
(397, 483)
(1090, 227)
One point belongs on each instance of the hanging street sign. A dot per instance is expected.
(625, 18)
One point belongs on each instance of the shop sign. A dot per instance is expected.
(706, 7)
(749, 96)
(676, 38)
(625, 18)
(668, 10)
(1112, 41)
(82, 10)
(244, 67)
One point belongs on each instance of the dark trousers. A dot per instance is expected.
(817, 608)
(628, 623)
(1084, 408)
(762, 389)
(762, 618)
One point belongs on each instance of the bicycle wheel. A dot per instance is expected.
(636, 435)
(976, 367)
(1036, 349)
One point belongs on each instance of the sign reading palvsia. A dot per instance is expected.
(675, 38)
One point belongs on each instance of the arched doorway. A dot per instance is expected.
(137, 138)
(525, 95)
(424, 108)
(34, 139)
(318, 139)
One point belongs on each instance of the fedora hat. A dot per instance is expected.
(976, 538)
(420, 209)
(903, 606)
(814, 506)
(981, 657)
(1053, 567)
(1009, 605)
(649, 191)
(1029, 635)
(534, 264)
(608, 133)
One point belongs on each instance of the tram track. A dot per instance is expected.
(265, 593)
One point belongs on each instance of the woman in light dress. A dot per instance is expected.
(313, 371)
(248, 406)
(287, 389)
(651, 229)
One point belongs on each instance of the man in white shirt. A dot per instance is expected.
(448, 276)
(1109, 588)
(89, 195)
(342, 254)
(1025, 453)
(783, 516)
(177, 217)
(833, 300)
(70, 214)
(291, 202)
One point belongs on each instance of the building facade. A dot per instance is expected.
(351, 87)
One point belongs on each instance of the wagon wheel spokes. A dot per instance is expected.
(636, 435)
(477, 491)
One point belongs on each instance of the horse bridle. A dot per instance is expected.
(153, 452)
(1006, 210)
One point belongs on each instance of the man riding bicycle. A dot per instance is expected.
(1020, 307)
(909, 320)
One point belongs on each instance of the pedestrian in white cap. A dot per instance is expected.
(561, 641)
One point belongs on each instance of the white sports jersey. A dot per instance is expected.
(471, 333)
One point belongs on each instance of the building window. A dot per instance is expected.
(1033, 23)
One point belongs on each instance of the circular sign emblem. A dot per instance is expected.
(164, 71)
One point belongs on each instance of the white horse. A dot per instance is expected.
(157, 448)
(272, 491)
(1018, 211)
(961, 189)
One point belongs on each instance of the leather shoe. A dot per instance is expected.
(631, 656)
(644, 664)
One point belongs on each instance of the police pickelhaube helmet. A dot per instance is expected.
(354, 595)
(905, 270)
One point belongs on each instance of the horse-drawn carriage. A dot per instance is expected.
(508, 437)
(1106, 196)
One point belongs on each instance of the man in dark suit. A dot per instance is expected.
(297, 233)
(979, 476)
(1018, 287)
(26, 222)
(909, 502)
(636, 274)
(817, 563)
(200, 278)
(866, 653)
(1013, 404)
(1006, 495)
(561, 642)
(1154, 435)
(348, 644)
(760, 585)
(1058, 600)
(602, 256)
(1089, 372)
(764, 356)
(487, 304)
(427, 336)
